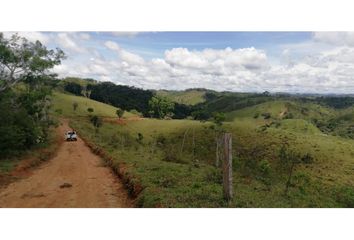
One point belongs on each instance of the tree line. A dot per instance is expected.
(25, 86)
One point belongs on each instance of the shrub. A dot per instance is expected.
(59, 111)
(266, 115)
(134, 111)
(264, 167)
(122, 139)
(96, 122)
(75, 105)
(289, 115)
(90, 110)
(160, 139)
(140, 138)
(213, 175)
(307, 158)
(73, 88)
(345, 196)
(120, 113)
(172, 155)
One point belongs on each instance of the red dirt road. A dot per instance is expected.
(75, 177)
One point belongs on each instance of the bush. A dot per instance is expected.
(96, 121)
(345, 196)
(21, 126)
(73, 88)
(264, 167)
(75, 105)
(59, 111)
(307, 158)
(214, 175)
(140, 138)
(90, 110)
(172, 155)
(289, 115)
(135, 112)
(160, 139)
(266, 115)
(121, 139)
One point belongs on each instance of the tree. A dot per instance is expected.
(75, 105)
(120, 113)
(96, 122)
(161, 106)
(124, 97)
(201, 115)
(288, 160)
(21, 60)
(73, 88)
(218, 118)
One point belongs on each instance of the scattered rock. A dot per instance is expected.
(66, 185)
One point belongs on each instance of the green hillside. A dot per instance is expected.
(275, 108)
(298, 125)
(282, 109)
(176, 177)
(188, 97)
(62, 104)
(173, 160)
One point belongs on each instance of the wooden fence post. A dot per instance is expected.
(227, 166)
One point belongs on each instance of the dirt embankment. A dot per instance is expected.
(75, 177)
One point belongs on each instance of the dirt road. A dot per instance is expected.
(75, 177)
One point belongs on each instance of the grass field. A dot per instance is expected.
(171, 179)
(280, 109)
(173, 160)
(189, 97)
(63, 105)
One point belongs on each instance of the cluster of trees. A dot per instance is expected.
(25, 84)
(161, 107)
(124, 97)
(336, 102)
(73, 88)
(78, 89)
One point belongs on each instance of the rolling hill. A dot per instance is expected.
(62, 104)
(188, 97)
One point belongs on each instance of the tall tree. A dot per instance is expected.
(74, 88)
(21, 60)
(120, 113)
(161, 106)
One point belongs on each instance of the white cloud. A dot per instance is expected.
(67, 42)
(335, 38)
(31, 36)
(85, 36)
(112, 45)
(124, 34)
(245, 58)
(325, 64)
(224, 69)
(125, 56)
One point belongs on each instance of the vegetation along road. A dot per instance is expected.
(75, 177)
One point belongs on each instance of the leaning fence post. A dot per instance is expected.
(227, 166)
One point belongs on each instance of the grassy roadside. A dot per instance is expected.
(147, 154)
(168, 179)
(19, 165)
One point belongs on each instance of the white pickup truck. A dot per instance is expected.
(70, 136)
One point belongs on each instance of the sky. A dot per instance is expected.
(294, 62)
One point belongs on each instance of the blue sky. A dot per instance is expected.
(153, 44)
(308, 62)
